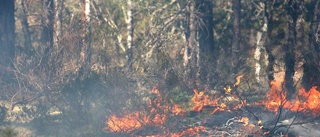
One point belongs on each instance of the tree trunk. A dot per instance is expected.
(26, 33)
(236, 32)
(7, 37)
(129, 22)
(260, 42)
(311, 71)
(289, 47)
(59, 6)
(207, 51)
(86, 41)
(192, 48)
(47, 21)
(269, 45)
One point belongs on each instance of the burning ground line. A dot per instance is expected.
(160, 110)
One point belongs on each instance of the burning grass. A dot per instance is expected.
(171, 119)
(307, 102)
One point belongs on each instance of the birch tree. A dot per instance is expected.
(260, 40)
(86, 49)
(129, 21)
(58, 25)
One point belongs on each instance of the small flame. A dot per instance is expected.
(200, 100)
(238, 78)
(176, 110)
(245, 120)
(227, 89)
(193, 131)
(127, 123)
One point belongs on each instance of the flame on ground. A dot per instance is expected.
(159, 109)
(305, 101)
(156, 116)
(127, 123)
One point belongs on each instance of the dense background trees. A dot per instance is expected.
(80, 58)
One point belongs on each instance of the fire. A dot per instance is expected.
(200, 100)
(276, 96)
(227, 89)
(189, 132)
(159, 110)
(306, 101)
(176, 110)
(127, 123)
(245, 120)
(238, 78)
(157, 116)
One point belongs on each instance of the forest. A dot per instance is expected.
(159, 68)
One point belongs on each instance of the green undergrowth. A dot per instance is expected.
(8, 132)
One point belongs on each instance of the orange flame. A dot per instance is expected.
(189, 132)
(306, 101)
(137, 119)
(275, 97)
(127, 123)
(200, 100)
(176, 110)
(238, 78)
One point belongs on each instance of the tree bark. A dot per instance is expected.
(192, 48)
(7, 37)
(206, 44)
(86, 49)
(58, 26)
(236, 31)
(260, 42)
(269, 45)
(289, 47)
(47, 21)
(311, 71)
(129, 22)
(26, 33)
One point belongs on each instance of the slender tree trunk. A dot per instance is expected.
(260, 42)
(86, 49)
(7, 37)
(311, 70)
(269, 45)
(192, 49)
(47, 20)
(25, 29)
(59, 6)
(289, 47)
(129, 22)
(236, 31)
(207, 51)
